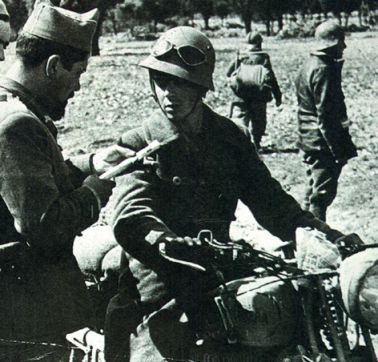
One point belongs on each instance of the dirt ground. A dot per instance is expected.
(115, 97)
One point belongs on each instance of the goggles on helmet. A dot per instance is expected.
(189, 54)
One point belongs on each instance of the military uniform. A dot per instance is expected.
(193, 184)
(43, 206)
(249, 113)
(323, 134)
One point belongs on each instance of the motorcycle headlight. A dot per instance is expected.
(359, 287)
(368, 297)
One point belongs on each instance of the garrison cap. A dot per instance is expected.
(62, 26)
(328, 34)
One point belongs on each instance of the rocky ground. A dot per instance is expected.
(115, 97)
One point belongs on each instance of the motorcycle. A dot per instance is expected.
(321, 306)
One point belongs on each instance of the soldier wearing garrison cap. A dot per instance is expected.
(322, 118)
(45, 201)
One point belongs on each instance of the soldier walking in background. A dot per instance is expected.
(45, 201)
(322, 118)
(248, 108)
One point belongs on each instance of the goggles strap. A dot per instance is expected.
(154, 96)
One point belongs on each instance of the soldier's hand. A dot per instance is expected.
(278, 102)
(101, 188)
(110, 157)
(349, 243)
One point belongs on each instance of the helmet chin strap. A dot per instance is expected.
(199, 97)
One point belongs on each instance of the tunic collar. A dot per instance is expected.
(43, 108)
(326, 57)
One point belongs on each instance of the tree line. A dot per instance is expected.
(159, 11)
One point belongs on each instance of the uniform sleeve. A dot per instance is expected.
(136, 224)
(232, 67)
(273, 80)
(48, 218)
(80, 167)
(272, 207)
(327, 93)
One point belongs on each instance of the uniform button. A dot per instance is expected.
(177, 180)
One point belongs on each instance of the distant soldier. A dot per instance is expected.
(322, 118)
(253, 86)
(5, 30)
(45, 201)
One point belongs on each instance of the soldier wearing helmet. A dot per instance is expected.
(192, 58)
(254, 39)
(193, 183)
(250, 111)
(322, 118)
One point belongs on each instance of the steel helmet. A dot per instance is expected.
(328, 34)
(185, 53)
(254, 38)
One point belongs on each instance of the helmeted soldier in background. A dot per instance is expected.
(193, 183)
(45, 201)
(322, 118)
(251, 111)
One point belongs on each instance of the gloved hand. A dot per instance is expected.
(348, 244)
(101, 188)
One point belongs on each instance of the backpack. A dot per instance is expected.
(252, 82)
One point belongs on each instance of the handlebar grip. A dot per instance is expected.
(173, 253)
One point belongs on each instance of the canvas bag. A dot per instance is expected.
(252, 82)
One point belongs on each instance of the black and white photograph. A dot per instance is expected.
(188, 180)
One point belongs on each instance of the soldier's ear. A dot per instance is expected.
(51, 67)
